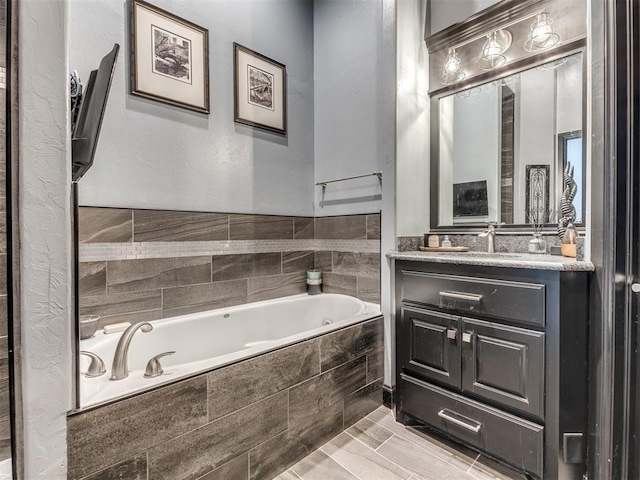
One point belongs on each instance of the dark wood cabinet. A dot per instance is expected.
(493, 357)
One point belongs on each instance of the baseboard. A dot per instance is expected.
(388, 397)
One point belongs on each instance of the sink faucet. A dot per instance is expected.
(120, 367)
(491, 235)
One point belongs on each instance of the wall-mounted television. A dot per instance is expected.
(470, 199)
(86, 129)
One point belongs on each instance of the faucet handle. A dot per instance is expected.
(96, 367)
(154, 369)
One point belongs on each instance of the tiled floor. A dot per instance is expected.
(379, 448)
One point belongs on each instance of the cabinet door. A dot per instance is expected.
(429, 345)
(504, 364)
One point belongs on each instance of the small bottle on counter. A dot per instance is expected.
(446, 243)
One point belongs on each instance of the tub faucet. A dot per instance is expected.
(491, 235)
(120, 367)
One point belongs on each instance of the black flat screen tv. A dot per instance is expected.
(470, 199)
(86, 131)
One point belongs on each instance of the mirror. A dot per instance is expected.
(499, 149)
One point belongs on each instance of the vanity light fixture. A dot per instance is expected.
(542, 35)
(452, 72)
(492, 53)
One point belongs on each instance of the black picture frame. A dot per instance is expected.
(169, 58)
(260, 90)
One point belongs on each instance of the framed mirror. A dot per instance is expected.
(499, 148)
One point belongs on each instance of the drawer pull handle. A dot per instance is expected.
(452, 334)
(446, 415)
(467, 337)
(469, 297)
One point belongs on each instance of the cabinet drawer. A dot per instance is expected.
(429, 345)
(504, 364)
(518, 301)
(517, 441)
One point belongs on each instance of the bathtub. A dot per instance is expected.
(208, 340)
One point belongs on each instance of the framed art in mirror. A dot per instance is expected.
(260, 90)
(169, 58)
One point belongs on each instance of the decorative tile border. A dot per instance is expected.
(96, 252)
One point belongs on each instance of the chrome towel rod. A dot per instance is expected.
(373, 174)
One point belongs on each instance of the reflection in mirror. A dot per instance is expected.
(502, 146)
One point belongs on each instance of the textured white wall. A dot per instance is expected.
(152, 155)
(349, 109)
(412, 128)
(45, 232)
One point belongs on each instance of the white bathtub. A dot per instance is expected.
(208, 340)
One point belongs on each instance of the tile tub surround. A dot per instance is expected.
(142, 265)
(251, 420)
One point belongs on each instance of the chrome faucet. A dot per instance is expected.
(491, 235)
(120, 367)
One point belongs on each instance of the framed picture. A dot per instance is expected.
(260, 90)
(537, 191)
(169, 58)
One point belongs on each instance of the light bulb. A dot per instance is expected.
(542, 35)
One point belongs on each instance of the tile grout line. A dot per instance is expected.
(336, 460)
(425, 450)
(473, 463)
(391, 461)
(380, 446)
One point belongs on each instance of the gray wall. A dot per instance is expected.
(152, 155)
(349, 137)
(445, 13)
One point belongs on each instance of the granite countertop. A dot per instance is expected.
(509, 260)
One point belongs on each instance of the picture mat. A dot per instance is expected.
(273, 118)
(158, 85)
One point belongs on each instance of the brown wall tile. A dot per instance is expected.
(324, 261)
(92, 278)
(361, 403)
(293, 262)
(176, 226)
(354, 263)
(373, 227)
(369, 289)
(100, 438)
(3, 274)
(4, 313)
(350, 343)
(375, 365)
(277, 454)
(260, 227)
(119, 303)
(351, 227)
(197, 453)
(266, 288)
(304, 228)
(104, 225)
(153, 273)
(198, 298)
(236, 469)
(311, 396)
(132, 469)
(343, 284)
(232, 267)
(261, 377)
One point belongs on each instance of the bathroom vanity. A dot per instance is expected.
(491, 350)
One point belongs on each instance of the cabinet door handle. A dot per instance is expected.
(452, 333)
(468, 297)
(447, 415)
(467, 337)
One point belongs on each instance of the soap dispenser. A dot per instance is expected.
(446, 243)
